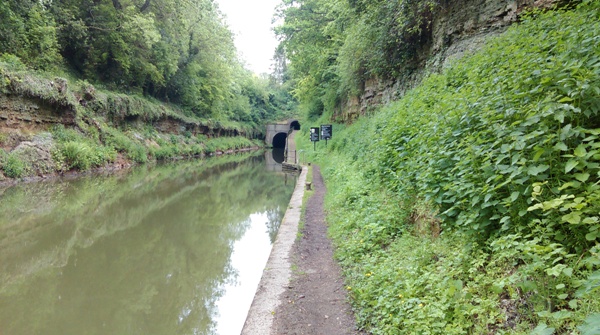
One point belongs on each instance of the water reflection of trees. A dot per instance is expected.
(274, 216)
(143, 253)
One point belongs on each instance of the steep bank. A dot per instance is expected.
(470, 205)
(456, 29)
(52, 126)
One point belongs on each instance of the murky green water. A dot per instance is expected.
(174, 249)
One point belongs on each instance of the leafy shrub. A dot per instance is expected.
(104, 155)
(117, 140)
(210, 147)
(12, 165)
(62, 134)
(138, 153)
(12, 62)
(83, 156)
(506, 140)
(165, 152)
(505, 145)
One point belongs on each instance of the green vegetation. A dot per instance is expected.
(12, 165)
(470, 206)
(74, 151)
(133, 80)
(176, 52)
(109, 124)
(335, 46)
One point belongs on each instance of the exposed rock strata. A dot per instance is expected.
(458, 28)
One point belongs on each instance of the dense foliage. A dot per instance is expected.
(470, 206)
(122, 67)
(335, 45)
(176, 51)
(107, 128)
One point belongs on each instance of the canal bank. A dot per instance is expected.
(121, 164)
(277, 273)
(302, 290)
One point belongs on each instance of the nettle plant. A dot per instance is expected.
(507, 144)
(507, 140)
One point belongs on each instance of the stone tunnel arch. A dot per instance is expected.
(274, 129)
(279, 140)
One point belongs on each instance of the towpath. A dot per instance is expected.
(302, 290)
(315, 301)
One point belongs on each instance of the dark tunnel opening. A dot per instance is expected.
(279, 140)
(295, 125)
(278, 155)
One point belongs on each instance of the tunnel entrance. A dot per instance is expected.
(279, 140)
(295, 125)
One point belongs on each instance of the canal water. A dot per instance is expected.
(171, 249)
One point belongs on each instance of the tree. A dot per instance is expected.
(28, 30)
(177, 51)
(334, 46)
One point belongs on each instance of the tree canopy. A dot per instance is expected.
(335, 45)
(179, 52)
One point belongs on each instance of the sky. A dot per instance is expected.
(250, 22)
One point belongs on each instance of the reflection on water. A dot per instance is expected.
(253, 248)
(279, 155)
(150, 252)
(274, 158)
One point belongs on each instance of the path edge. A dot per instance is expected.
(277, 272)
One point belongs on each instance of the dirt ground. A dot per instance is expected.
(315, 302)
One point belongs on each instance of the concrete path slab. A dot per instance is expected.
(277, 272)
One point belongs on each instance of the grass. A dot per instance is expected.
(12, 165)
(296, 270)
(96, 143)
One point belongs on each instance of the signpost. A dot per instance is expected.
(314, 136)
(326, 132)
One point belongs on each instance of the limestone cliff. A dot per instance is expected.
(458, 27)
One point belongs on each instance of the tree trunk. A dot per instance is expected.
(117, 4)
(145, 6)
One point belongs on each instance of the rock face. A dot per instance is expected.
(17, 112)
(37, 154)
(458, 28)
(23, 117)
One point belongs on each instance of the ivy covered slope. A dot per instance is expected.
(472, 205)
(86, 84)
